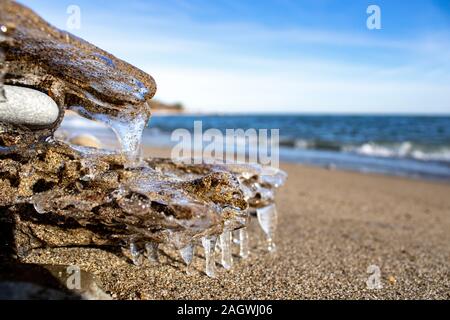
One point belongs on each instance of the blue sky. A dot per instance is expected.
(277, 56)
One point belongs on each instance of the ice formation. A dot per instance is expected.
(187, 254)
(267, 218)
(56, 194)
(209, 246)
(244, 249)
(151, 249)
(225, 246)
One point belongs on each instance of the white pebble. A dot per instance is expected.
(27, 107)
(86, 140)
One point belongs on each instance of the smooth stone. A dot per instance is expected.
(27, 107)
(86, 140)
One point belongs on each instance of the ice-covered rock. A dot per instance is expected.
(55, 195)
(73, 71)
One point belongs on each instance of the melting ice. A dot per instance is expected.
(187, 254)
(128, 128)
(268, 218)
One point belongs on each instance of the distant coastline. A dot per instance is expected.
(166, 108)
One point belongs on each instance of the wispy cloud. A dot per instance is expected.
(226, 64)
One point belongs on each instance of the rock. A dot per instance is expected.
(48, 282)
(165, 108)
(73, 71)
(63, 197)
(88, 286)
(29, 107)
(86, 140)
(56, 195)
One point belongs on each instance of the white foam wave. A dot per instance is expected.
(402, 150)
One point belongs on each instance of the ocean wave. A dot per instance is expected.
(310, 144)
(405, 149)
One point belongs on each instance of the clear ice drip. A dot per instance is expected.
(236, 237)
(273, 176)
(187, 254)
(268, 218)
(151, 248)
(225, 244)
(244, 250)
(136, 254)
(209, 245)
(128, 129)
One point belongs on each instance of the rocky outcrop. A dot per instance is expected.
(53, 194)
(86, 198)
(160, 107)
(70, 70)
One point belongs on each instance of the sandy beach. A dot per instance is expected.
(269, 80)
(333, 225)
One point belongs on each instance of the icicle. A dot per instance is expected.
(244, 250)
(187, 253)
(236, 237)
(267, 218)
(128, 129)
(225, 244)
(136, 255)
(209, 244)
(218, 247)
(151, 249)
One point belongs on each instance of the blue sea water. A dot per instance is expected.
(414, 146)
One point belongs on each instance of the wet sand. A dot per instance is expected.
(332, 226)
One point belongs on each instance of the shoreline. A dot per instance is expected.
(164, 152)
(332, 226)
(364, 157)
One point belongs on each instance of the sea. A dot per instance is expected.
(410, 146)
(413, 146)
